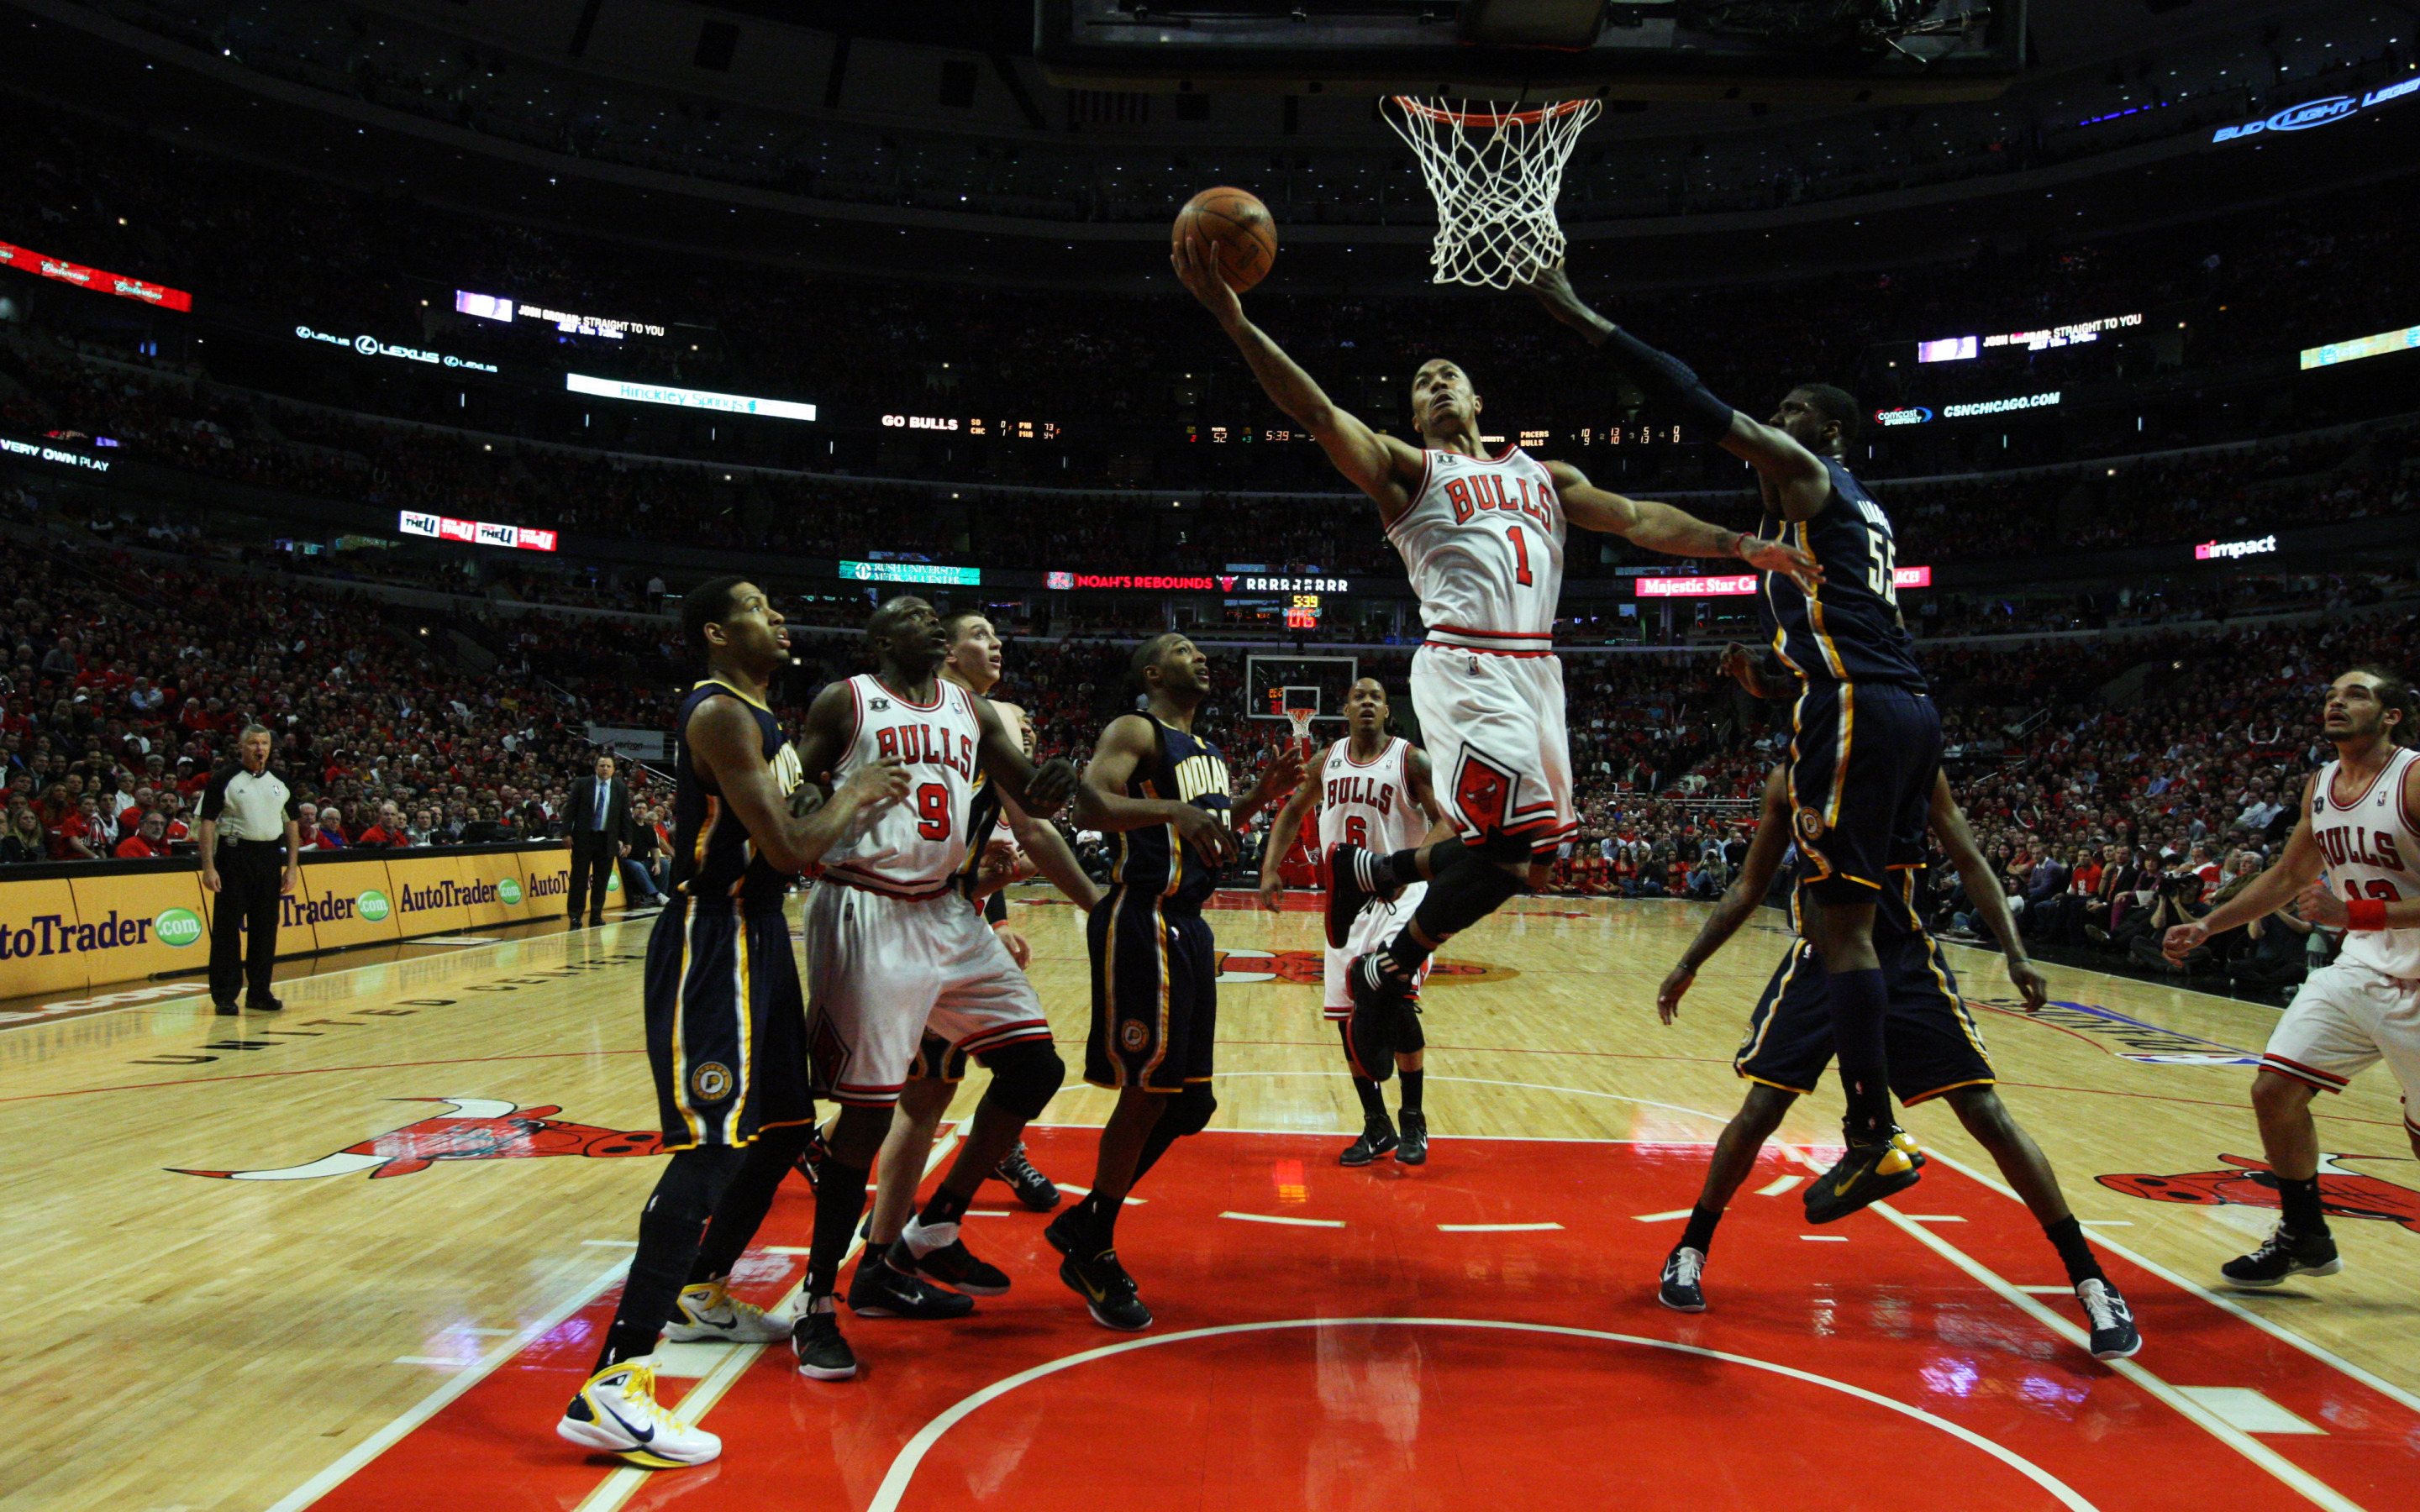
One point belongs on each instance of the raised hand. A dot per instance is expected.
(1197, 268)
(1772, 556)
(1281, 777)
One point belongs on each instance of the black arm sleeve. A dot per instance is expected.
(1667, 380)
(996, 909)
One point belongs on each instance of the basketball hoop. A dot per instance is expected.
(1301, 718)
(1495, 174)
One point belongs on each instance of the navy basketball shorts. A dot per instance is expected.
(938, 1060)
(1862, 763)
(726, 1024)
(1155, 995)
(1932, 1041)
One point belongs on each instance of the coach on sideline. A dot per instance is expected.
(246, 807)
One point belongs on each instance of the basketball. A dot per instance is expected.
(1239, 225)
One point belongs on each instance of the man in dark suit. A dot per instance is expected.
(598, 824)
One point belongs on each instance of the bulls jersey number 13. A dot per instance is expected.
(2372, 843)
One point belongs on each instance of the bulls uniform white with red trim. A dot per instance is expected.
(2365, 1007)
(1484, 542)
(894, 948)
(1370, 804)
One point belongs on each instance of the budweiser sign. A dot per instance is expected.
(94, 278)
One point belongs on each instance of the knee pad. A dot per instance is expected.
(1189, 1111)
(1024, 1078)
(1403, 1030)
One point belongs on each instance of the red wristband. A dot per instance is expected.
(2365, 913)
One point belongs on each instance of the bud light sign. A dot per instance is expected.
(2322, 112)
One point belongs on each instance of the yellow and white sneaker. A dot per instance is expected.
(616, 1413)
(709, 1311)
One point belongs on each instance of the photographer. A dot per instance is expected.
(2177, 901)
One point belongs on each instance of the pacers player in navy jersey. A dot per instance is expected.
(1155, 964)
(1865, 736)
(725, 1024)
(1481, 537)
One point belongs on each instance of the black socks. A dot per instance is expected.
(839, 1200)
(1699, 1234)
(2066, 1237)
(943, 1207)
(2301, 1201)
(1412, 1080)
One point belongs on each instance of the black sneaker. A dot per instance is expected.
(878, 1290)
(1346, 896)
(1377, 1139)
(1108, 1291)
(811, 1159)
(225, 1008)
(951, 1265)
(1065, 1233)
(1867, 1173)
(2114, 1335)
(1679, 1288)
(2284, 1254)
(1414, 1151)
(1371, 1028)
(1035, 1190)
(264, 1005)
(823, 1354)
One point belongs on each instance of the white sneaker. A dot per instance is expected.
(616, 1413)
(709, 1311)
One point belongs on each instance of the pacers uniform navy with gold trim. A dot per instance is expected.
(726, 1021)
(1155, 963)
(1933, 1040)
(1865, 738)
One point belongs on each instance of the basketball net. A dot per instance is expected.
(1494, 173)
(1301, 719)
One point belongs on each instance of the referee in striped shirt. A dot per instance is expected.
(245, 809)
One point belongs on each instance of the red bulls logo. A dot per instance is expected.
(2344, 1193)
(476, 1129)
(1307, 968)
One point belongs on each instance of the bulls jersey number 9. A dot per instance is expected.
(913, 849)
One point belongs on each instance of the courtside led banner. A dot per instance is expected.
(910, 572)
(2229, 550)
(2361, 346)
(1746, 583)
(729, 404)
(94, 278)
(475, 531)
(497, 307)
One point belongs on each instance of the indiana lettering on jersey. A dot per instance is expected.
(2356, 845)
(1362, 790)
(1486, 490)
(914, 744)
(1202, 776)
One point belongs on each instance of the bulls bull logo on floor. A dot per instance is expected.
(2345, 1194)
(1307, 968)
(475, 1128)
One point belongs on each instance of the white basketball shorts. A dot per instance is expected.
(2345, 1019)
(1374, 926)
(882, 971)
(1499, 754)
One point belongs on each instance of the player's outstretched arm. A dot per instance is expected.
(1101, 801)
(727, 747)
(1983, 890)
(1380, 466)
(1276, 782)
(2297, 866)
(1036, 790)
(1738, 902)
(1797, 482)
(1674, 532)
(1288, 822)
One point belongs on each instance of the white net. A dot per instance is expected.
(1495, 172)
(1300, 719)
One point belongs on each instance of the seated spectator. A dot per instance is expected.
(24, 842)
(77, 835)
(149, 840)
(2279, 954)
(386, 832)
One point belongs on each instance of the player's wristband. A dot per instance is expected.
(2365, 914)
(1667, 378)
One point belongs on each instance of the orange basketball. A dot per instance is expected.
(1238, 225)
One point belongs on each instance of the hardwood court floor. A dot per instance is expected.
(259, 1263)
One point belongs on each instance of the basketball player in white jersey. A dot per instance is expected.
(897, 948)
(1370, 789)
(881, 1289)
(2354, 856)
(1483, 538)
